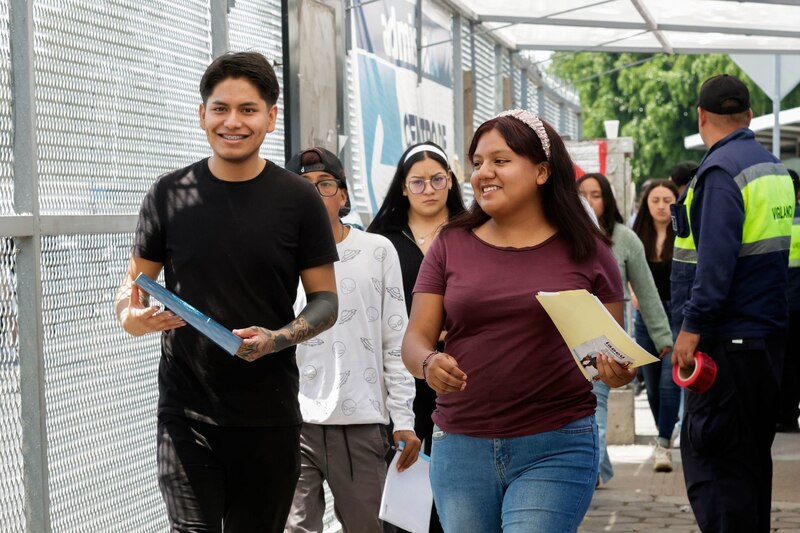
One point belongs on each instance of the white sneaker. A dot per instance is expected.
(662, 459)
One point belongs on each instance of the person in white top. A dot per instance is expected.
(352, 379)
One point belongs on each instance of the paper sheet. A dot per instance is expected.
(589, 329)
(407, 496)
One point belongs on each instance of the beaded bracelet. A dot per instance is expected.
(426, 361)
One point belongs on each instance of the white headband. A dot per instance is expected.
(427, 148)
(534, 123)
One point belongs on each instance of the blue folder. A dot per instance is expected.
(204, 324)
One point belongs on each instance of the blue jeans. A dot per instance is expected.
(663, 395)
(601, 390)
(532, 484)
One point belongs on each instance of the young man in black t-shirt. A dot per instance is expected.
(233, 233)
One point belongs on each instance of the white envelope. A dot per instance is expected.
(407, 496)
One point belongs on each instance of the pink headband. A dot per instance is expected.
(534, 123)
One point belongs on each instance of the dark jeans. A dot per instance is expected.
(231, 479)
(788, 411)
(727, 435)
(663, 395)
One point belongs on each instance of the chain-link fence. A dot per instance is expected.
(114, 99)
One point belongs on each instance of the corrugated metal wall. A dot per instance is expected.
(256, 25)
(359, 196)
(484, 81)
(6, 133)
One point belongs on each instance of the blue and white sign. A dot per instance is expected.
(394, 109)
(388, 30)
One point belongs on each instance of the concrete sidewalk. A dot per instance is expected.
(640, 500)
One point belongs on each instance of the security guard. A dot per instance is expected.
(729, 280)
(788, 411)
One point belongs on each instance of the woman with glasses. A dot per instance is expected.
(515, 440)
(421, 198)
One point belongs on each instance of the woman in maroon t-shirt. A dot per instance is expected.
(515, 441)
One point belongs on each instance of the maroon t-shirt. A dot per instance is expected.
(521, 377)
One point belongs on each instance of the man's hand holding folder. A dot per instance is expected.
(138, 318)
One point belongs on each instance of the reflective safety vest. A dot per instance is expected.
(684, 249)
(794, 250)
(767, 217)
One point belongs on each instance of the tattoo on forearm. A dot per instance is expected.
(319, 315)
(301, 330)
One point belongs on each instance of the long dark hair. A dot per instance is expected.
(611, 214)
(393, 213)
(561, 204)
(645, 228)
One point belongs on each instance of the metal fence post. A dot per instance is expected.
(29, 270)
(220, 42)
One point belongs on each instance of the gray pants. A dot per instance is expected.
(351, 459)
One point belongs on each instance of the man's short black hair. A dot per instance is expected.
(681, 174)
(251, 66)
(795, 180)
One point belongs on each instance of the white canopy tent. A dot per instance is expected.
(671, 26)
(769, 27)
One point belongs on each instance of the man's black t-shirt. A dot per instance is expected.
(234, 250)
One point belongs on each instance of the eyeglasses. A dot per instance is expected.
(327, 187)
(417, 185)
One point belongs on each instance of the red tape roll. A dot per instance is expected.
(698, 379)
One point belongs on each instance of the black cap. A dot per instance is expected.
(319, 159)
(724, 95)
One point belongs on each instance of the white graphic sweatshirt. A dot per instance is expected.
(353, 373)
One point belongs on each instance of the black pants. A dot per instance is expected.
(727, 436)
(788, 410)
(230, 479)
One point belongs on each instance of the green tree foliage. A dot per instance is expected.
(654, 97)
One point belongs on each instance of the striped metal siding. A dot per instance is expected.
(359, 196)
(552, 111)
(116, 99)
(571, 126)
(484, 81)
(256, 25)
(466, 64)
(6, 131)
